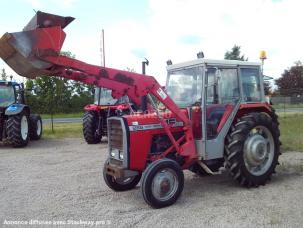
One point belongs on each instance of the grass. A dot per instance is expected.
(63, 130)
(291, 127)
(63, 115)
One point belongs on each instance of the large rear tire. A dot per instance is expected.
(162, 183)
(35, 127)
(90, 127)
(17, 129)
(252, 149)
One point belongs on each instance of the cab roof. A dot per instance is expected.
(212, 62)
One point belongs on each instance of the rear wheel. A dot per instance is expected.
(162, 183)
(90, 128)
(120, 184)
(17, 129)
(253, 148)
(35, 127)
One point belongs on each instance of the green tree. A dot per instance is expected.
(235, 54)
(291, 81)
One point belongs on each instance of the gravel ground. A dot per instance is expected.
(61, 181)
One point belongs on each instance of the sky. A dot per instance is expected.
(170, 29)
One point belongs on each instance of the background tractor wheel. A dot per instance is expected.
(253, 148)
(120, 184)
(35, 132)
(17, 129)
(162, 183)
(90, 127)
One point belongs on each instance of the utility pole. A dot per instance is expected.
(102, 52)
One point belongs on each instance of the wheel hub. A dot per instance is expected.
(256, 149)
(259, 150)
(24, 127)
(164, 185)
(39, 127)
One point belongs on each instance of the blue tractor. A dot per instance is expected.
(17, 124)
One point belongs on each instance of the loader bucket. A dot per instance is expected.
(25, 52)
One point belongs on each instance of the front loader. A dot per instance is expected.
(213, 114)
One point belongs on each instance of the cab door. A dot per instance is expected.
(222, 99)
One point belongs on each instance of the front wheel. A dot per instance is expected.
(162, 183)
(120, 184)
(253, 148)
(17, 129)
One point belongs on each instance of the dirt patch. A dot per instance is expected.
(61, 180)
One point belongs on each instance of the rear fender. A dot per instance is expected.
(16, 109)
(91, 107)
(258, 107)
(94, 107)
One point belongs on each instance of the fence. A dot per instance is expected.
(287, 104)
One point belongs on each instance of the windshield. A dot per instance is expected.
(185, 86)
(7, 95)
(106, 97)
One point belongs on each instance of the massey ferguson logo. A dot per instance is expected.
(172, 122)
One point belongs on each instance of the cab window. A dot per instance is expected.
(251, 84)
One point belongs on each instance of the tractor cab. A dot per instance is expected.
(228, 84)
(103, 96)
(10, 93)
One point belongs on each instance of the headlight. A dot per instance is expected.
(121, 155)
(114, 153)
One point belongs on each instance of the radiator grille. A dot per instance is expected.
(115, 134)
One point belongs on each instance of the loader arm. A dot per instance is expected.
(36, 51)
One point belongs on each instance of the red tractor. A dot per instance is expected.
(213, 114)
(95, 116)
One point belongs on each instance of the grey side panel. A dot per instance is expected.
(215, 147)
